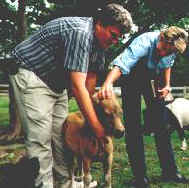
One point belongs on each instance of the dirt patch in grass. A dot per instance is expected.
(11, 153)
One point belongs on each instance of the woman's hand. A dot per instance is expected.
(162, 93)
(105, 91)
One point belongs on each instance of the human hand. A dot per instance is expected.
(99, 132)
(169, 97)
(106, 91)
(162, 93)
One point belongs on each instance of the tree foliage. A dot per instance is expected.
(147, 14)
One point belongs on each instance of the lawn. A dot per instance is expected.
(121, 171)
(4, 117)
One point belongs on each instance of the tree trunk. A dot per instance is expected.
(21, 21)
(15, 130)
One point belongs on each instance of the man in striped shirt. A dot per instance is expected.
(65, 52)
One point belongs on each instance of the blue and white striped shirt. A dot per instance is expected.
(67, 41)
(143, 46)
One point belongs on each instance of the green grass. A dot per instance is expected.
(4, 112)
(121, 171)
(73, 105)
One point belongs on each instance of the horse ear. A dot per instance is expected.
(95, 98)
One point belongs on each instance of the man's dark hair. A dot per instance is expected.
(115, 14)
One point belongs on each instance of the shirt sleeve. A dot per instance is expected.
(130, 56)
(167, 61)
(76, 51)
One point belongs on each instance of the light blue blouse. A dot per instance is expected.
(143, 46)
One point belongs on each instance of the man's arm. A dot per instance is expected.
(91, 81)
(80, 85)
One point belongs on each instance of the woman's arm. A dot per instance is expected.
(162, 92)
(107, 88)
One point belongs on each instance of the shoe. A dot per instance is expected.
(141, 183)
(177, 178)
